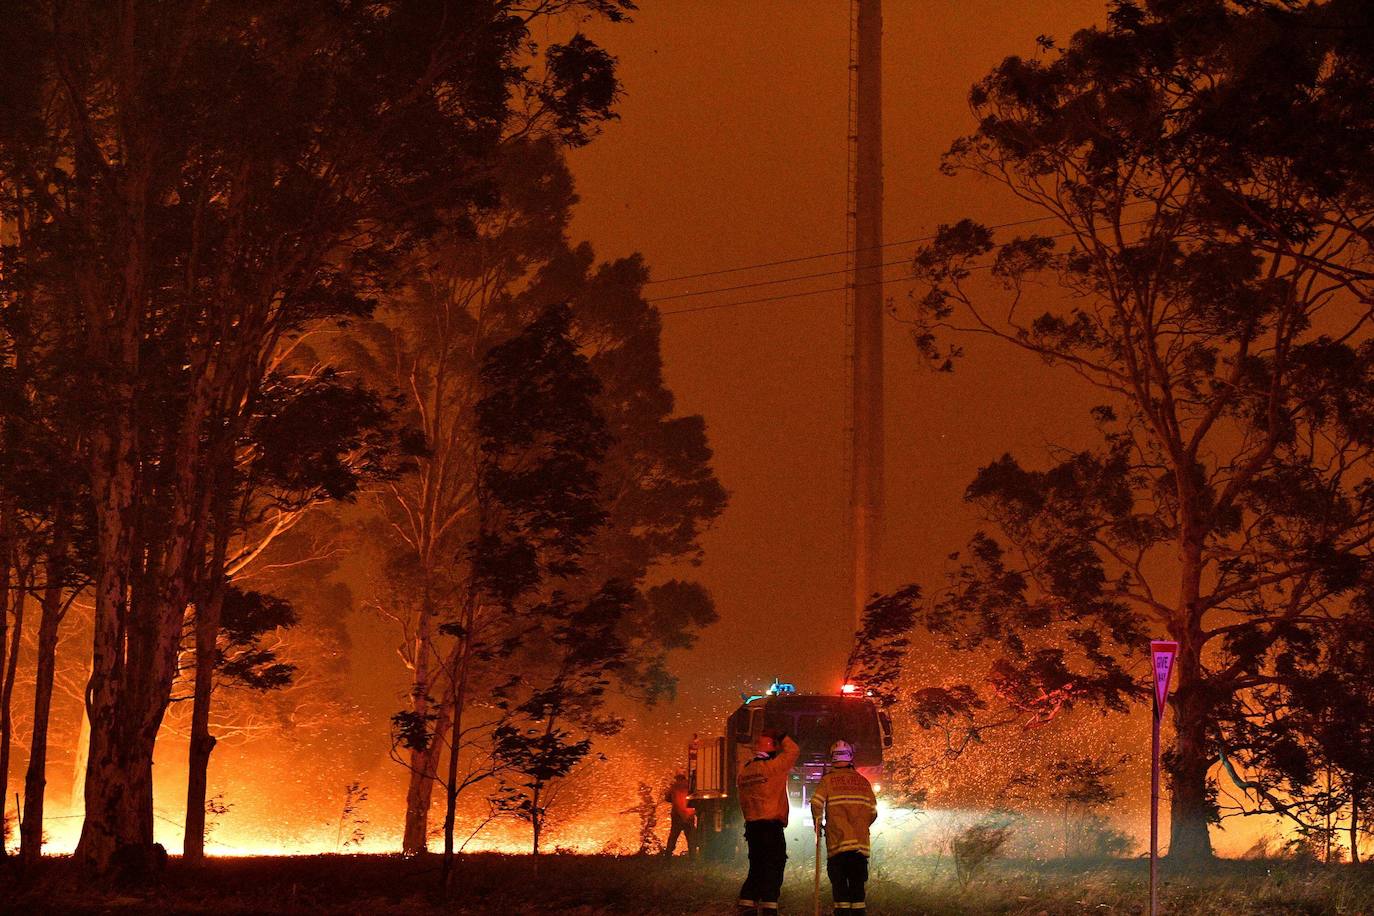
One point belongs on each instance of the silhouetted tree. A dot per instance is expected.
(474, 286)
(657, 484)
(427, 342)
(64, 578)
(540, 440)
(881, 645)
(352, 821)
(647, 811)
(1082, 787)
(1306, 747)
(557, 701)
(1201, 161)
(45, 520)
(1338, 695)
(306, 440)
(202, 187)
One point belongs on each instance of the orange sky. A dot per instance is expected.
(730, 151)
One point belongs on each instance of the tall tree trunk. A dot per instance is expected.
(7, 678)
(6, 571)
(36, 777)
(536, 820)
(1355, 825)
(424, 763)
(537, 815)
(459, 680)
(137, 630)
(1190, 809)
(119, 793)
(219, 497)
(126, 714)
(420, 796)
(424, 773)
(1327, 834)
(208, 617)
(112, 816)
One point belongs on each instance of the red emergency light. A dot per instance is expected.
(849, 689)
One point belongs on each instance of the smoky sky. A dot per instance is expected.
(731, 150)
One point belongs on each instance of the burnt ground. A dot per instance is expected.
(498, 884)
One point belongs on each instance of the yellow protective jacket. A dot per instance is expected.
(763, 784)
(844, 800)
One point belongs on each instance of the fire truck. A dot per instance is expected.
(814, 721)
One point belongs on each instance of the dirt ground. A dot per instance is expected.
(588, 885)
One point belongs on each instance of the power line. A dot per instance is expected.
(757, 283)
(828, 289)
(814, 292)
(835, 254)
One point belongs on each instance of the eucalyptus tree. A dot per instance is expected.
(203, 183)
(1202, 170)
(476, 285)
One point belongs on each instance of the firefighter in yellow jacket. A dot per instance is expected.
(763, 799)
(844, 807)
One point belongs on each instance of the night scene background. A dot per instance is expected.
(428, 426)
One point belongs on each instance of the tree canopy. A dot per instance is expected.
(1197, 160)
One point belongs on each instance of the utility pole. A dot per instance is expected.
(865, 298)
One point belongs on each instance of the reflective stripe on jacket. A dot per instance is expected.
(763, 784)
(845, 800)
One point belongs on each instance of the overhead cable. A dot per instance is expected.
(834, 254)
(817, 292)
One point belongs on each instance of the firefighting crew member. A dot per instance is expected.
(844, 807)
(763, 799)
(683, 817)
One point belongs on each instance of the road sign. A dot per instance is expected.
(1162, 654)
(1162, 658)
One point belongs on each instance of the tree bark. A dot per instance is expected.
(111, 814)
(424, 763)
(536, 815)
(424, 772)
(119, 794)
(7, 678)
(459, 680)
(1354, 826)
(6, 591)
(139, 617)
(208, 617)
(126, 701)
(1190, 808)
(420, 797)
(536, 821)
(50, 620)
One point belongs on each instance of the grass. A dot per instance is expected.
(590, 885)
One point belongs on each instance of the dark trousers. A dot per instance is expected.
(687, 830)
(767, 859)
(848, 873)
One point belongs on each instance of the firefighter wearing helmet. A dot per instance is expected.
(763, 799)
(844, 807)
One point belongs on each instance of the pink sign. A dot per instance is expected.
(1162, 655)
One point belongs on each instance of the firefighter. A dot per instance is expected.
(844, 807)
(763, 799)
(683, 817)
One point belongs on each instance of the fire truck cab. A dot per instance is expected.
(814, 721)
